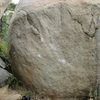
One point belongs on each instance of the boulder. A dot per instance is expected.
(2, 63)
(53, 46)
(4, 76)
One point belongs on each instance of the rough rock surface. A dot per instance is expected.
(53, 45)
(3, 5)
(2, 63)
(4, 75)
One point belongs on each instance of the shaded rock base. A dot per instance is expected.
(37, 97)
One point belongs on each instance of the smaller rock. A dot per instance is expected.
(2, 64)
(4, 75)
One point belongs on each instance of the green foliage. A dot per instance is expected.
(14, 83)
(4, 24)
(95, 93)
(4, 20)
(11, 7)
(3, 27)
(3, 47)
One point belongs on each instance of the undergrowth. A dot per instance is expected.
(16, 84)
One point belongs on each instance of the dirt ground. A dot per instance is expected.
(8, 94)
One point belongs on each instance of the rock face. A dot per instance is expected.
(2, 64)
(4, 75)
(3, 5)
(53, 45)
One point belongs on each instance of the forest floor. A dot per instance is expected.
(14, 94)
(8, 94)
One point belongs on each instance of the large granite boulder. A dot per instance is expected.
(53, 46)
(3, 5)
